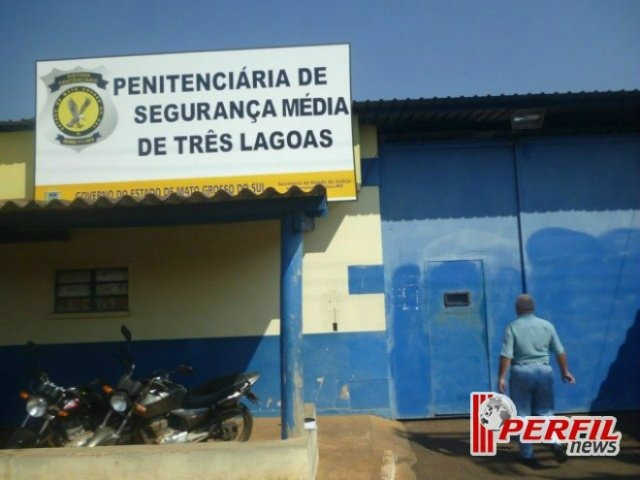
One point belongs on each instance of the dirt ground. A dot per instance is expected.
(441, 448)
(356, 447)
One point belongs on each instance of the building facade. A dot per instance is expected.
(406, 291)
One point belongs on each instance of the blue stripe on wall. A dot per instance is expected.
(343, 372)
(366, 279)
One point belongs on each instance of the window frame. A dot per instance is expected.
(92, 281)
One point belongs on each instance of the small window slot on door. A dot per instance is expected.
(457, 299)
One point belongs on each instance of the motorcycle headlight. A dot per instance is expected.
(37, 406)
(119, 402)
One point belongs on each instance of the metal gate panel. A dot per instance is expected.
(457, 329)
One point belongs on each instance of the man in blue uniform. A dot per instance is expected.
(526, 348)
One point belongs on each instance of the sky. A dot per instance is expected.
(399, 49)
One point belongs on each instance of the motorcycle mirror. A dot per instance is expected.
(33, 363)
(126, 333)
(186, 369)
(126, 358)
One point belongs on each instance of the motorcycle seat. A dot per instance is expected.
(214, 391)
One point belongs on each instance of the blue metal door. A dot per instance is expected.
(457, 329)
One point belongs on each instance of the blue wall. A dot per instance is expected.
(581, 230)
(574, 204)
(444, 202)
(337, 376)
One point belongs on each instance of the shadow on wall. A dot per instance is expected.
(444, 180)
(579, 174)
(73, 364)
(447, 181)
(621, 385)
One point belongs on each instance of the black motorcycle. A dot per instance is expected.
(157, 410)
(59, 416)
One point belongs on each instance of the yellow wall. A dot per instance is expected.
(349, 235)
(184, 282)
(16, 165)
(198, 281)
(368, 141)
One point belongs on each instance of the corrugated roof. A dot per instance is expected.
(22, 219)
(128, 201)
(597, 109)
(490, 116)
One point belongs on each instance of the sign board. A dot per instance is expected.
(195, 122)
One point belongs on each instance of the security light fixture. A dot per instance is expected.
(527, 119)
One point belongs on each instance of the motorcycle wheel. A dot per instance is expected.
(23, 438)
(233, 425)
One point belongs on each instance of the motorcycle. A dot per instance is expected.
(157, 410)
(59, 416)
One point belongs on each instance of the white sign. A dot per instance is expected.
(195, 122)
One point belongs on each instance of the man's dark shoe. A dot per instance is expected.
(559, 453)
(532, 463)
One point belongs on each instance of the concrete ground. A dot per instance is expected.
(354, 447)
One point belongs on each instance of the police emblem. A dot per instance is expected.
(79, 111)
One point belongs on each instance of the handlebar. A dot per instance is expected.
(182, 368)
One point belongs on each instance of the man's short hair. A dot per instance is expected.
(524, 304)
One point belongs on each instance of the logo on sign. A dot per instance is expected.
(79, 106)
